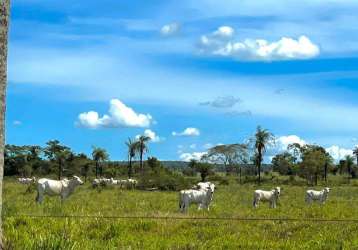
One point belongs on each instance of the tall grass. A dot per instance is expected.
(232, 200)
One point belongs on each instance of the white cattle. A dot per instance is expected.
(129, 183)
(62, 188)
(320, 196)
(204, 185)
(132, 183)
(101, 181)
(27, 180)
(115, 182)
(270, 196)
(202, 197)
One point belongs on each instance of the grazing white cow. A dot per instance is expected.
(101, 181)
(270, 196)
(202, 197)
(27, 180)
(132, 183)
(62, 188)
(115, 182)
(320, 196)
(203, 185)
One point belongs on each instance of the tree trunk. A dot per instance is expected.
(96, 169)
(59, 169)
(4, 27)
(141, 158)
(130, 168)
(316, 178)
(325, 171)
(259, 165)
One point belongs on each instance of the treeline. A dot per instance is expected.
(311, 162)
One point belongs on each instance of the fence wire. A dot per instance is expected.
(238, 219)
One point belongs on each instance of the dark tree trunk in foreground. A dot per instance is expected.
(4, 27)
(130, 168)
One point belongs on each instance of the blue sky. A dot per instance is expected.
(90, 73)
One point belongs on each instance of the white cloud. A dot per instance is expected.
(170, 29)
(208, 145)
(283, 141)
(192, 146)
(222, 102)
(191, 156)
(224, 32)
(16, 123)
(187, 132)
(338, 153)
(152, 135)
(220, 43)
(119, 115)
(335, 151)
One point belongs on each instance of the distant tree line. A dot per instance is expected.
(311, 162)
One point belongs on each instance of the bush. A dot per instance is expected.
(164, 180)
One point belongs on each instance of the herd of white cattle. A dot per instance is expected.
(126, 183)
(200, 194)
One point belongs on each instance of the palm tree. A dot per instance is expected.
(142, 148)
(99, 155)
(349, 160)
(4, 28)
(355, 152)
(131, 144)
(263, 138)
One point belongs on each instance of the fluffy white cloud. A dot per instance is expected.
(192, 146)
(335, 151)
(338, 153)
(224, 32)
(152, 135)
(188, 132)
(283, 141)
(170, 29)
(119, 115)
(220, 43)
(191, 156)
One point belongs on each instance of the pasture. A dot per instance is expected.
(231, 200)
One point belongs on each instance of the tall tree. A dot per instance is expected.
(131, 144)
(58, 153)
(4, 28)
(355, 152)
(349, 160)
(315, 162)
(229, 155)
(142, 148)
(99, 155)
(262, 139)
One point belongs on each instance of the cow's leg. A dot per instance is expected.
(40, 194)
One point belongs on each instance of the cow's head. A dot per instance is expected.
(278, 190)
(77, 180)
(326, 189)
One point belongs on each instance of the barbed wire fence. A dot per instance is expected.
(187, 218)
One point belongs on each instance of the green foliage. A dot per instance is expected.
(263, 138)
(283, 163)
(231, 200)
(228, 155)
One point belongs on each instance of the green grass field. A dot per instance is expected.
(233, 200)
